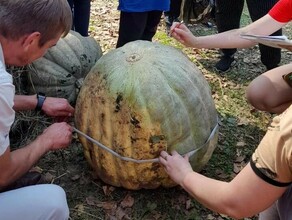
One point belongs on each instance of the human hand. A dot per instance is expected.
(57, 136)
(176, 166)
(57, 107)
(181, 33)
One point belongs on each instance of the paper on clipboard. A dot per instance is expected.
(272, 41)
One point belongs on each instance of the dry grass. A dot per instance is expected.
(241, 129)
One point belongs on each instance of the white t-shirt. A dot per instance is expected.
(7, 113)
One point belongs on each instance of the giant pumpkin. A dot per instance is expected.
(61, 71)
(141, 99)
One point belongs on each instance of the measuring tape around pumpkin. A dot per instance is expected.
(155, 160)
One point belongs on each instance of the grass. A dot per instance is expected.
(241, 129)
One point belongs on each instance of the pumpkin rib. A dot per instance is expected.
(152, 98)
(65, 64)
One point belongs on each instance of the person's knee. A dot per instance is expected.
(267, 95)
(43, 201)
(256, 95)
(57, 206)
(60, 212)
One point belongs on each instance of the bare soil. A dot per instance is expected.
(241, 130)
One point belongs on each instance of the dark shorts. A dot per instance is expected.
(280, 210)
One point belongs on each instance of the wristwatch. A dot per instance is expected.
(41, 97)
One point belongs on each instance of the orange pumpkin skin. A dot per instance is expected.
(141, 99)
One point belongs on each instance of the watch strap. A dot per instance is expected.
(41, 97)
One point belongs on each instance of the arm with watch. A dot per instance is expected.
(16, 163)
(51, 106)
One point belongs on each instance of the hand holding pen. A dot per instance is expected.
(174, 25)
(180, 32)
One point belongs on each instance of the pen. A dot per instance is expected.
(176, 26)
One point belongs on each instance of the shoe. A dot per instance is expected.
(169, 20)
(30, 178)
(225, 63)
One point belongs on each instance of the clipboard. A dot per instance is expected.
(281, 41)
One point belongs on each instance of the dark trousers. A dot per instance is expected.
(174, 10)
(137, 26)
(81, 15)
(228, 14)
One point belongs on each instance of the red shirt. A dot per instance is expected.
(282, 11)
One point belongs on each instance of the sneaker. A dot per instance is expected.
(225, 63)
(169, 20)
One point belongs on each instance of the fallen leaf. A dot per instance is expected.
(188, 204)
(128, 201)
(240, 144)
(107, 190)
(109, 205)
(240, 159)
(90, 200)
(223, 176)
(120, 213)
(49, 177)
(237, 168)
(75, 177)
(79, 209)
(210, 217)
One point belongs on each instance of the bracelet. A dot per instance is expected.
(41, 97)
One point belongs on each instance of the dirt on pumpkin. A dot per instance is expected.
(241, 129)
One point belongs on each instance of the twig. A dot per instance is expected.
(58, 177)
